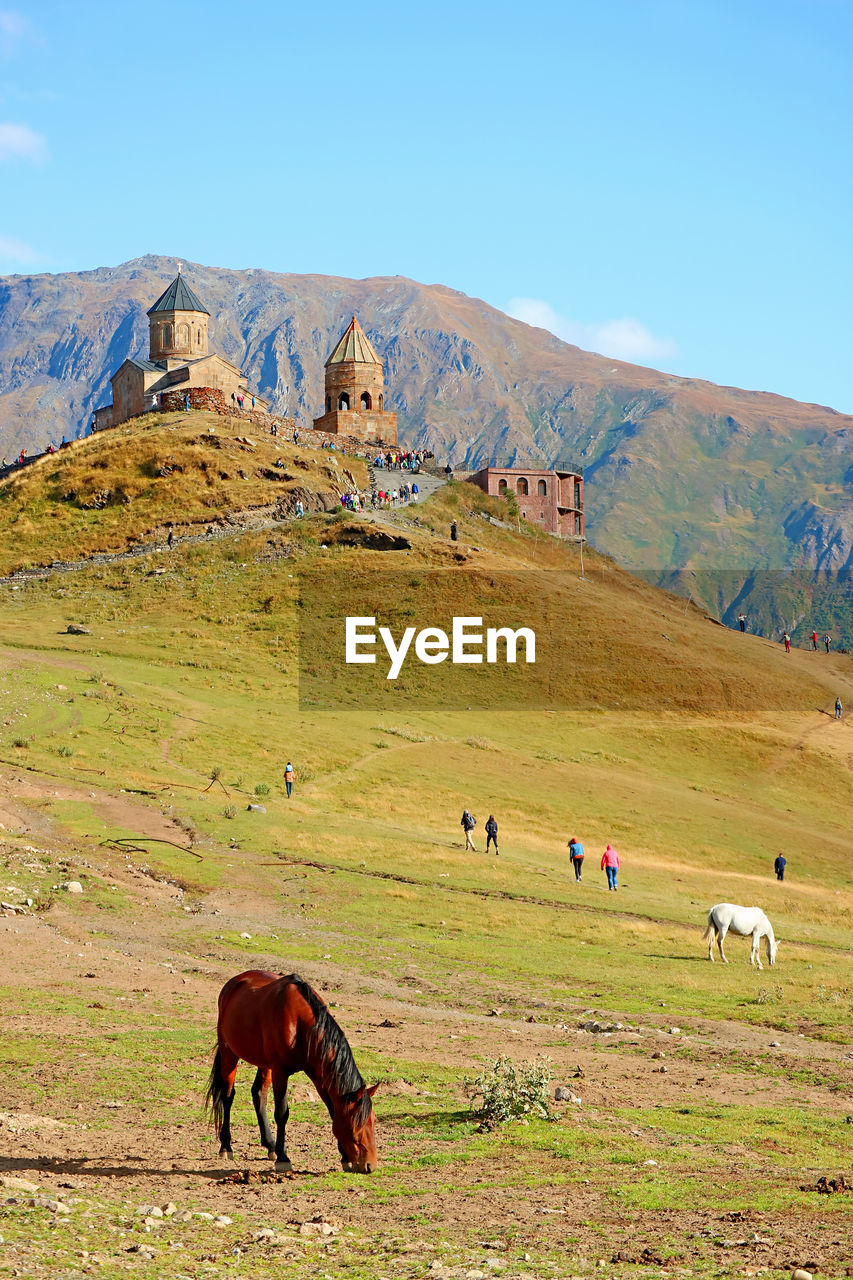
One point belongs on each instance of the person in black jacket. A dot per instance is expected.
(779, 867)
(492, 834)
(468, 823)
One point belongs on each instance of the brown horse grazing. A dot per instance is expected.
(281, 1026)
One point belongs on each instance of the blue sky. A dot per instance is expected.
(669, 182)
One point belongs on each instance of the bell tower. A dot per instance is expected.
(177, 326)
(355, 391)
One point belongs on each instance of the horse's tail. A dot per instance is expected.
(214, 1099)
(712, 928)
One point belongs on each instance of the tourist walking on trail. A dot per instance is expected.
(741, 621)
(610, 863)
(288, 778)
(827, 640)
(779, 867)
(492, 834)
(813, 638)
(468, 823)
(787, 640)
(576, 855)
(171, 536)
(838, 708)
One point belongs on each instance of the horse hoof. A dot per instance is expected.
(228, 1155)
(283, 1166)
(270, 1155)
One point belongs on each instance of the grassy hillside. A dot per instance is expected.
(199, 471)
(698, 752)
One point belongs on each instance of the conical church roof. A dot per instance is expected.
(354, 345)
(178, 297)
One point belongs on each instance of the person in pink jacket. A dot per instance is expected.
(610, 864)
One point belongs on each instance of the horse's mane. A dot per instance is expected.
(334, 1056)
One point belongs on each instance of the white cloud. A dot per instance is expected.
(16, 253)
(20, 142)
(14, 29)
(624, 339)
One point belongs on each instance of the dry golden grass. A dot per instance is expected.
(123, 487)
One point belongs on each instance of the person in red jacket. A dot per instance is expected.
(814, 639)
(610, 863)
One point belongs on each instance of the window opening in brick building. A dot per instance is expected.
(343, 401)
(543, 489)
(522, 486)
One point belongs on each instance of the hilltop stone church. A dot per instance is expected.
(180, 368)
(178, 361)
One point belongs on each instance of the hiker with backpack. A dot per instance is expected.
(492, 834)
(468, 823)
(576, 855)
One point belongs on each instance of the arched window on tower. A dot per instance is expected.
(328, 404)
(167, 335)
(183, 335)
(522, 486)
(502, 486)
(381, 403)
(343, 400)
(542, 489)
(198, 338)
(366, 402)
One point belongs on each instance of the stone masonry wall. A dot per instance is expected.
(209, 398)
(213, 400)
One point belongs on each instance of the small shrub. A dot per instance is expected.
(215, 773)
(20, 742)
(95, 677)
(230, 811)
(66, 752)
(238, 782)
(509, 1090)
(262, 788)
(770, 995)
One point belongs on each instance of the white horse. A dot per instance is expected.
(725, 918)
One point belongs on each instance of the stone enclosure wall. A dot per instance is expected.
(213, 400)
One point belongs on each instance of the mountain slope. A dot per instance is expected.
(681, 473)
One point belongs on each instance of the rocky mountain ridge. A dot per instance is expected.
(681, 474)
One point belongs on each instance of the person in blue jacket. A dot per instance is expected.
(576, 854)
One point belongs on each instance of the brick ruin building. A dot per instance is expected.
(553, 500)
(355, 391)
(178, 361)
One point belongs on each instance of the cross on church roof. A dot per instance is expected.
(178, 297)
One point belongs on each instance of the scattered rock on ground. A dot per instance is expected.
(317, 1227)
(17, 1184)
